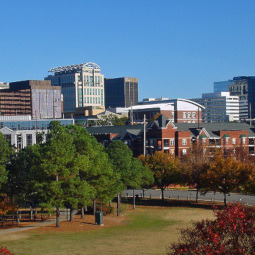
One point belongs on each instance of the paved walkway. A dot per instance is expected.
(63, 217)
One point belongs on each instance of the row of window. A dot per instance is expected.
(93, 92)
(171, 142)
(92, 100)
(29, 140)
(227, 139)
(188, 115)
(97, 79)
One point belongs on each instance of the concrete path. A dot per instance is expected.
(63, 217)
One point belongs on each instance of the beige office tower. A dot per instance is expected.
(82, 86)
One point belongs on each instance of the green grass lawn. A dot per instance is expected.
(148, 230)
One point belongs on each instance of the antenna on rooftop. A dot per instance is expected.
(198, 118)
(131, 115)
(250, 114)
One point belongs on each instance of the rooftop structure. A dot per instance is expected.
(82, 85)
(177, 110)
(69, 68)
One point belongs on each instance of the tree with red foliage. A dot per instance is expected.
(6, 204)
(5, 251)
(232, 233)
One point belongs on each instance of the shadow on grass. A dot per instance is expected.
(171, 203)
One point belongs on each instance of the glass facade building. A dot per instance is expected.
(222, 86)
(33, 124)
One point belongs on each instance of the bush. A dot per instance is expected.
(232, 232)
(4, 251)
(106, 209)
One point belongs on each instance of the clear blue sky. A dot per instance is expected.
(176, 48)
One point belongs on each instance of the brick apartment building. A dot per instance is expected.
(35, 98)
(176, 138)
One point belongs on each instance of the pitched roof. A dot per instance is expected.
(161, 121)
(213, 128)
(115, 129)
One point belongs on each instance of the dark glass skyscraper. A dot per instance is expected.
(121, 92)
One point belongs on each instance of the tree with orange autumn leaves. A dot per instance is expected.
(194, 167)
(165, 168)
(216, 173)
(226, 174)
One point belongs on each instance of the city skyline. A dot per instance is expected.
(175, 49)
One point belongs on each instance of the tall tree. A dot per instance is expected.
(24, 175)
(165, 168)
(223, 175)
(59, 168)
(141, 177)
(5, 153)
(96, 169)
(131, 172)
(194, 167)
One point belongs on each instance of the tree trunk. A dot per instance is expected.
(197, 194)
(118, 205)
(57, 217)
(133, 199)
(94, 207)
(143, 192)
(71, 214)
(31, 213)
(162, 194)
(110, 203)
(225, 199)
(82, 212)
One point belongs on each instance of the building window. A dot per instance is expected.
(184, 141)
(8, 138)
(244, 140)
(233, 140)
(204, 140)
(29, 139)
(189, 115)
(184, 115)
(172, 152)
(227, 140)
(171, 141)
(166, 142)
(193, 115)
(19, 142)
(184, 151)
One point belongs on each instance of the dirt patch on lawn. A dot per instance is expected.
(79, 225)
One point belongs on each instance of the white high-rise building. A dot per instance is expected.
(219, 107)
(82, 85)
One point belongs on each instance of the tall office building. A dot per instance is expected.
(82, 85)
(35, 98)
(219, 107)
(222, 86)
(121, 92)
(244, 88)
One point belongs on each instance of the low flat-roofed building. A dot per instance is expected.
(23, 132)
